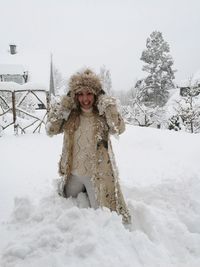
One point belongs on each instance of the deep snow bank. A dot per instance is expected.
(161, 180)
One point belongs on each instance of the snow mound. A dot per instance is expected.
(59, 231)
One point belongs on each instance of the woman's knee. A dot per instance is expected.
(73, 187)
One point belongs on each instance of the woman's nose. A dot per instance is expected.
(84, 97)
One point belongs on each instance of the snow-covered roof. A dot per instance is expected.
(34, 86)
(27, 86)
(9, 86)
(11, 69)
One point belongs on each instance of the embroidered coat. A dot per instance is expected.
(62, 119)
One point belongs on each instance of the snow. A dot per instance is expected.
(160, 177)
(196, 77)
(11, 69)
(193, 80)
(172, 106)
(13, 86)
(9, 86)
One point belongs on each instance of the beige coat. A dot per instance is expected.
(105, 176)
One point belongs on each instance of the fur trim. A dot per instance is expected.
(86, 79)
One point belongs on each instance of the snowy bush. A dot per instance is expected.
(187, 108)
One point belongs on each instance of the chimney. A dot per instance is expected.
(13, 50)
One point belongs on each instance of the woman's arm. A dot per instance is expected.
(58, 115)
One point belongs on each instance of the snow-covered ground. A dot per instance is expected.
(160, 177)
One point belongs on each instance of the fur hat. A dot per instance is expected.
(85, 79)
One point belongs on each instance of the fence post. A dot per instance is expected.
(14, 112)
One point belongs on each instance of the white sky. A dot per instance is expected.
(102, 32)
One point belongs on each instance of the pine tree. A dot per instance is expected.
(155, 87)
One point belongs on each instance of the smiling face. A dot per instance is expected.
(86, 99)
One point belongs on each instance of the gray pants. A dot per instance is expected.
(77, 184)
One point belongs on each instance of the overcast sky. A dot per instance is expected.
(102, 32)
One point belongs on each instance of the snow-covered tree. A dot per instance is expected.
(124, 96)
(106, 80)
(136, 112)
(60, 83)
(143, 115)
(188, 109)
(155, 87)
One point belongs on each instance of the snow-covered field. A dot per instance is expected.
(160, 177)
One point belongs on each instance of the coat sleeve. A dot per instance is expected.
(107, 106)
(58, 115)
(114, 119)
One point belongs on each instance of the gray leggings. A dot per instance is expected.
(77, 184)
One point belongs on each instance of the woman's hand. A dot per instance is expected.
(104, 102)
(66, 102)
(107, 106)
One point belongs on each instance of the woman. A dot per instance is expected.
(87, 116)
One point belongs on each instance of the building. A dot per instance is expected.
(13, 73)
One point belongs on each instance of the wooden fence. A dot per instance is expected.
(15, 105)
